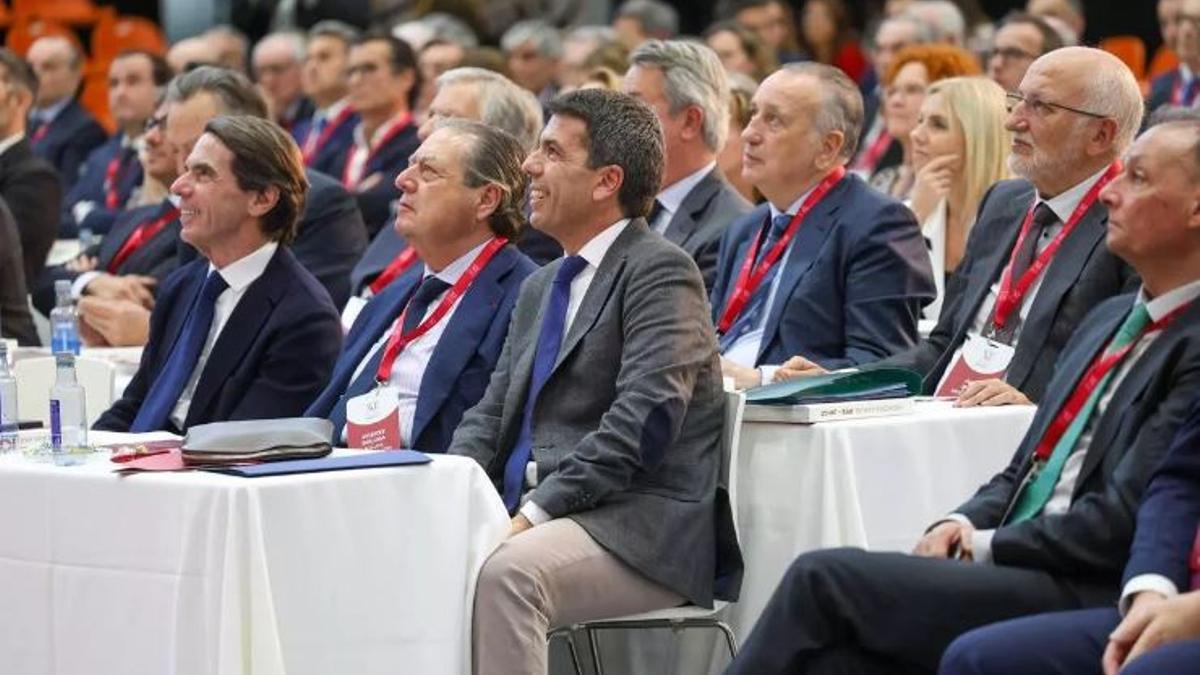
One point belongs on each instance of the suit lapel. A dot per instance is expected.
(461, 339)
(683, 224)
(979, 285)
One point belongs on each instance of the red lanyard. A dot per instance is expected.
(112, 194)
(393, 130)
(314, 144)
(750, 277)
(1177, 92)
(1010, 296)
(142, 234)
(394, 269)
(870, 158)
(398, 341)
(1091, 379)
(40, 132)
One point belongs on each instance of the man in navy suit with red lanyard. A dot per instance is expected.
(60, 130)
(1181, 85)
(244, 332)
(324, 136)
(422, 351)
(384, 82)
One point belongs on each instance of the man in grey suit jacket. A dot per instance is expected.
(685, 84)
(603, 415)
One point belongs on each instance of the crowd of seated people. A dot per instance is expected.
(550, 244)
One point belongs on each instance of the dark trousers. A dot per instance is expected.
(1066, 643)
(850, 611)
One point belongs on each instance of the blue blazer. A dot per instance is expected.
(462, 363)
(89, 187)
(1161, 88)
(327, 156)
(275, 353)
(857, 276)
(72, 135)
(376, 202)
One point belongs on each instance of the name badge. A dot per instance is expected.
(373, 420)
(979, 359)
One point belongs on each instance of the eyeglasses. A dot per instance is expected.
(1010, 54)
(1043, 108)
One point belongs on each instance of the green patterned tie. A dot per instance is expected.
(1036, 493)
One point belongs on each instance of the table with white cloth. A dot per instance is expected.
(362, 571)
(874, 483)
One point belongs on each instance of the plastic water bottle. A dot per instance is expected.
(64, 326)
(8, 405)
(68, 419)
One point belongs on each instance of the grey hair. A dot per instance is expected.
(924, 31)
(692, 75)
(594, 34)
(232, 90)
(841, 103)
(336, 29)
(544, 38)
(494, 157)
(1113, 90)
(446, 28)
(943, 17)
(294, 39)
(658, 19)
(502, 104)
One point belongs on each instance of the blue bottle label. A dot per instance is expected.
(55, 425)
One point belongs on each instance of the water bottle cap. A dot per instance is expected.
(64, 360)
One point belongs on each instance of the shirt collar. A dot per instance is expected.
(246, 270)
(330, 114)
(1185, 73)
(10, 141)
(672, 197)
(795, 205)
(596, 248)
(360, 137)
(1064, 204)
(1170, 301)
(452, 272)
(50, 112)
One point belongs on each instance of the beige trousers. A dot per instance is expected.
(547, 577)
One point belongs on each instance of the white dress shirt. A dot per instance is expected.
(10, 141)
(238, 275)
(409, 368)
(328, 115)
(671, 198)
(1060, 498)
(744, 350)
(593, 252)
(360, 151)
(1063, 206)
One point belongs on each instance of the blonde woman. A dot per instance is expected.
(959, 149)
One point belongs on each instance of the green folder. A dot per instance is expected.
(860, 385)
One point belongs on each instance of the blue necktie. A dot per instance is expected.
(164, 393)
(548, 344)
(752, 312)
(1190, 91)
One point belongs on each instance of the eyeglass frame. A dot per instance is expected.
(1014, 98)
(1009, 54)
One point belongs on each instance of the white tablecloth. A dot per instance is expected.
(365, 571)
(874, 483)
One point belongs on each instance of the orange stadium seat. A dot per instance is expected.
(69, 12)
(94, 97)
(114, 34)
(1130, 49)
(1163, 61)
(24, 31)
(5, 16)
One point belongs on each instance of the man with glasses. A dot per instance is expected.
(1009, 551)
(1019, 40)
(1180, 86)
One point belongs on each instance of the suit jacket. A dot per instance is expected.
(32, 189)
(384, 248)
(72, 135)
(627, 428)
(703, 216)
(157, 258)
(1161, 88)
(857, 276)
(329, 239)
(462, 362)
(1082, 274)
(1170, 511)
(375, 203)
(274, 355)
(89, 187)
(328, 154)
(15, 319)
(1129, 440)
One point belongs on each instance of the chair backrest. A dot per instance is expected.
(36, 376)
(735, 408)
(1130, 49)
(25, 30)
(1164, 60)
(114, 34)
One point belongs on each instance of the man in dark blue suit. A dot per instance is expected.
(1052, 531)
(1155, 217)
(460, 202)
(60, 130)
(111, 173)
(1180, 85)
(384, 82)
(842, 284)
(324, 137)
(245, 332)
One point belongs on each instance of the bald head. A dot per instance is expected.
(57, 63)
(1105, 86)
(190, 52)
